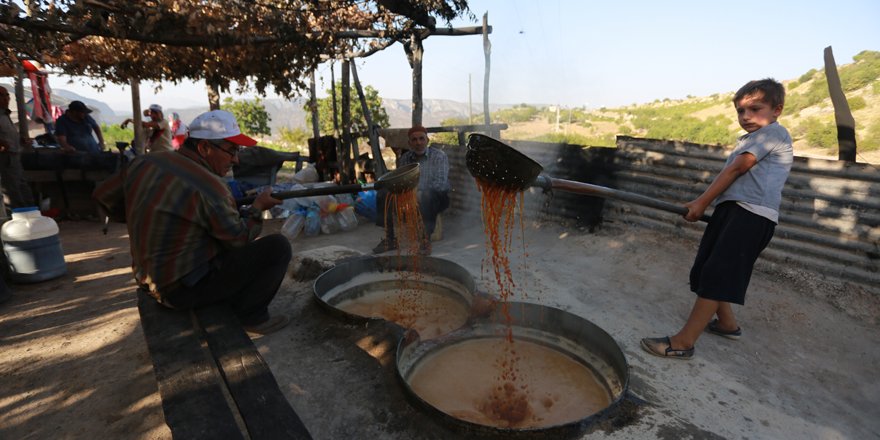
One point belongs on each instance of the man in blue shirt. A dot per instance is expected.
(74, 130)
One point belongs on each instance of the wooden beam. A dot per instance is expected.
(19, 102)
(313, 107)
(344, 159)
(138, 141)
(415, 53)
(213, 41)
(846, 124)
(381, 169)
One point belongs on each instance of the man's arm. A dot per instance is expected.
(97, 129)
(722, 181)
(62, 141)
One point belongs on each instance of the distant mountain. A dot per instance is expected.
(104, 110)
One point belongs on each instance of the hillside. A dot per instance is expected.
(808, 114)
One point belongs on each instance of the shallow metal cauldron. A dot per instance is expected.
(556, 329)
(352, 278)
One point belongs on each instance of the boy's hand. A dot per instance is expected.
(695, 210)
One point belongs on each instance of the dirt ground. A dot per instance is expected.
(74, 363)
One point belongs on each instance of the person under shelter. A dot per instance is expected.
(191, 245)
(433, 190)
(11, 172)
(74, 129)
(159, 129)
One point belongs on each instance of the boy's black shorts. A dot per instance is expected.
(730, 245)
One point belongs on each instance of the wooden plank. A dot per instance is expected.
(261, 404)
(192, 397)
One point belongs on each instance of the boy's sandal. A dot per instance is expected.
(713, 328)
(663, 347)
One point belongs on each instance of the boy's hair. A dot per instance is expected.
(774, 92)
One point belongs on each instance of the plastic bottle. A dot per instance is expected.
(313, 221)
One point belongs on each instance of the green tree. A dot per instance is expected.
(113, 134)
(358, 122)
(251, 115)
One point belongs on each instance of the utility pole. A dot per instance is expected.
(470, 102)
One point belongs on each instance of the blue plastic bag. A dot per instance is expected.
(313, 222)
(365, 205)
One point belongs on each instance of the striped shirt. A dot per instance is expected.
(180, 216)
(433, 168)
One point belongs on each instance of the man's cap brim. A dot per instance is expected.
(240, 139)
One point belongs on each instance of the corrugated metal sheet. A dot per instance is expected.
(829, 218)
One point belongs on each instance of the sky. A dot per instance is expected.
(581, 53)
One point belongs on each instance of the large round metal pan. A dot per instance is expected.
(357, 276)
(556, 329)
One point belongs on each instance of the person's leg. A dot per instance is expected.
(726, 318)
(247, 279)
(699, 318)
(385, 219)
(431, 204)
(22, 187)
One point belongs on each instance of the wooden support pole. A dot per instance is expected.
(313, 107)
(345, 162)
(381, 169)
(846, 124)
(487, 50)
(138, 142)
(415, 53)
(213, 95)
(335, 109)
(19, 102)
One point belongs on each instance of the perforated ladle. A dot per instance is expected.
(497, 163)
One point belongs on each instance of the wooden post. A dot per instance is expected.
(846, 124)
(138, 142)
(19, 102)
(381, 169)
(345, 162)
(415, 53)
(487, 50)
(335, 110)
(213, 94)
(313, 107)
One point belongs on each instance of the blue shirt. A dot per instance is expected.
(80, 135)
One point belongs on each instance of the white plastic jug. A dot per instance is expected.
(32, 246)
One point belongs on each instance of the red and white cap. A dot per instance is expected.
(219, 124)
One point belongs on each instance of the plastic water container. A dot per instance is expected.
(32, 246)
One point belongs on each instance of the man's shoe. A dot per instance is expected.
(270, 325)
(713, 328)
(385, 245)
(663, 348)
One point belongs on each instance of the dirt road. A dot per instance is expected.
(74, 364)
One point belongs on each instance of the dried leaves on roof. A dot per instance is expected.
(252, 42)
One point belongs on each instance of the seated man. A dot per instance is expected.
(433, 190)
(11, 171)
(190, 244)
(74, 129)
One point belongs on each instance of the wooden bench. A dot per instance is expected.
(213, 382)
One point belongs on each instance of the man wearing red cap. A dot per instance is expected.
(433, 190)
(190, 244)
